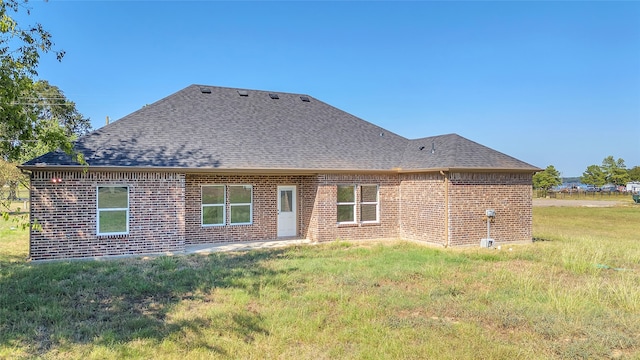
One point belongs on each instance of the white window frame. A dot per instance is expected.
(223, 205)
(98, 210)
(376, 203)
(348, 203)
(250, 203)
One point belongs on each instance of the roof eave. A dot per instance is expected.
(291, 171)
(532, 169)
(470, 169)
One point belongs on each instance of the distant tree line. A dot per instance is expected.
(611, 171)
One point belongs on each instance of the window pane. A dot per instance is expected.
(113, 221)
(368, 212)
(240, 214)
(240, 194)
(286, 200)
(212, 215)
(213, 194)
(110, 197)
(345, 213)
(369, 193)
(346, 193)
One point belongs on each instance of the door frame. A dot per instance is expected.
(294, 206)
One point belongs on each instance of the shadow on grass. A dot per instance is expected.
(104, 302)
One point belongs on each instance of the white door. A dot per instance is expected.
(286, 211)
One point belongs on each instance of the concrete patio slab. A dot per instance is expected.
(242, 246)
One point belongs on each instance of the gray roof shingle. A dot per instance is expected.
(453, 151)
(220, 129)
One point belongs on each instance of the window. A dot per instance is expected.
(218, 200)
(346, 204)
(286, 201)
(369, 203)
(113, 210)
(240, 200)
(213, 205)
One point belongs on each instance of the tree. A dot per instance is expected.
(51, 103)
(20, 51)
(547, 178)
(35, 117)
(634, 173)
(57, 120)
(593, 176)
(615, 171)
(9, 175)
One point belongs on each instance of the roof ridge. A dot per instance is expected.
(249, 89)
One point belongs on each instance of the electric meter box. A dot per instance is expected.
(486, 243)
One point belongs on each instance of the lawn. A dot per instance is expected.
(582, 195)
(574, 293)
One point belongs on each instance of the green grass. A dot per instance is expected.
(549, 299)
(604, 196)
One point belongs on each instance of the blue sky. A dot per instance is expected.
(546, 82)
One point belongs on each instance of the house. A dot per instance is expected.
(633, 187)
(212, 164)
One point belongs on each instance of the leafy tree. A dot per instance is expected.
(10, 177)
(35, 117)
(634, 173)
(615, 171)
(20, 51)
(547, 178)
(9, 174)
(58, 120)
(51, 103)
(593, 176)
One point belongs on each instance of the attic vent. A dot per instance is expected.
(205, 90)
(243, 93)
(305, 98)
(274, 96)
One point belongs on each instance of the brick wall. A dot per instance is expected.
(471, 194)
(265, 212)
(324, 213)
(310, 198)
(66, 213)
(165, 210)
(422, 209)
(316, 197)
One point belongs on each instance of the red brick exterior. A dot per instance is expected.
(324, 214)
(66, 212)
(165, 210)
(264, 226)
(471, 194)
(468, 195)
(422, 209)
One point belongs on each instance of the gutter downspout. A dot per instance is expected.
(446, 210)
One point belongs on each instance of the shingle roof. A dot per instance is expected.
(453, 151)
(205, 127)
